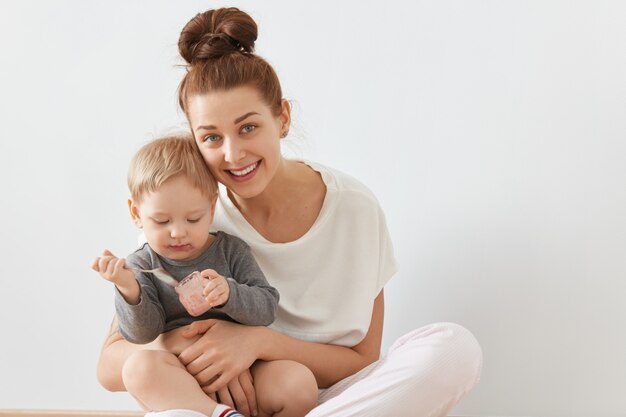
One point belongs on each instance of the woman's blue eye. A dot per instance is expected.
(248, 128)
(211, 138)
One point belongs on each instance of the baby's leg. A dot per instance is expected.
(159, 382)
(284, 388)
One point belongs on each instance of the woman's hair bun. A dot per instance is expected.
(215, 33)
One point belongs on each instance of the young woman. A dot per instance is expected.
(321, 239)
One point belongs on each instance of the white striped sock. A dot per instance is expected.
(223, 411)
(175, 413)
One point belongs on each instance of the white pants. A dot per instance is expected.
(424, 374)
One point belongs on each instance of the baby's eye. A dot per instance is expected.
(248, 128)
(193, 220)
(211, 138)
(160, 221)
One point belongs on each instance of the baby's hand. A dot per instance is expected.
(217, 290)
(112, 269)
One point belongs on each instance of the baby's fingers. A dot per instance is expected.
(210, 287)
(108, 264)
(217, 297)
(119, 266)
(94, 264)
(209, 273)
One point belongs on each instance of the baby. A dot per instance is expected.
(172, 200)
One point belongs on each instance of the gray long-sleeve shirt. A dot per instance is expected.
(252, 300)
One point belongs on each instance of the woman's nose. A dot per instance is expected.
(232, 150)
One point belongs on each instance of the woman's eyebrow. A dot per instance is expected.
(240, 118)
(237, 120)
(206, 127)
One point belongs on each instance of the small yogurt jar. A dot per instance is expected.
(190, 293)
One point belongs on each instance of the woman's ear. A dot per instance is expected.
(134, 213)
(285, 117)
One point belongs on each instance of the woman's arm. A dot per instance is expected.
(329, 363)
(226, 349)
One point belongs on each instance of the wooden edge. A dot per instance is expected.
(71, 413)
(68, 413)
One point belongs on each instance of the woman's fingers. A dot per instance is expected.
(226, 399)
(194, 329)
(240, 400)
(200, 367)
(210, 394)
(220, 382)
(226, 350)
(247, 386)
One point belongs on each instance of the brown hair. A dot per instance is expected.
(164, 158)
(218, 46)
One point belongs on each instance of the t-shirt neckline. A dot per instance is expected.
(251, 233)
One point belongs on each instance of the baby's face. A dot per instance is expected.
(176, 219)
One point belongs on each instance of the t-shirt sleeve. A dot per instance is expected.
(388, 265)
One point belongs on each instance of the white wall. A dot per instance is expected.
(493, 133)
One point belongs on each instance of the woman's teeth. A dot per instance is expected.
(244, 171)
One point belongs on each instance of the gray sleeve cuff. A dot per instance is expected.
(253, 306)
(140, 323)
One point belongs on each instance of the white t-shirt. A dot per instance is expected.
(327, 279)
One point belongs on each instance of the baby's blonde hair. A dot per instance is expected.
(164, 158)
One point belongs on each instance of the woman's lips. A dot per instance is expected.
(245, 173)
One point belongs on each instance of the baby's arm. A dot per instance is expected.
(141, 315)
(112, 269)
(251, 300)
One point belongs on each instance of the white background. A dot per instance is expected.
(492, 132)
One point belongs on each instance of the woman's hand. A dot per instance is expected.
(174, 341)
(224, 351)
(240, 394)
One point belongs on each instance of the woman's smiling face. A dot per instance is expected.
(239, 137)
